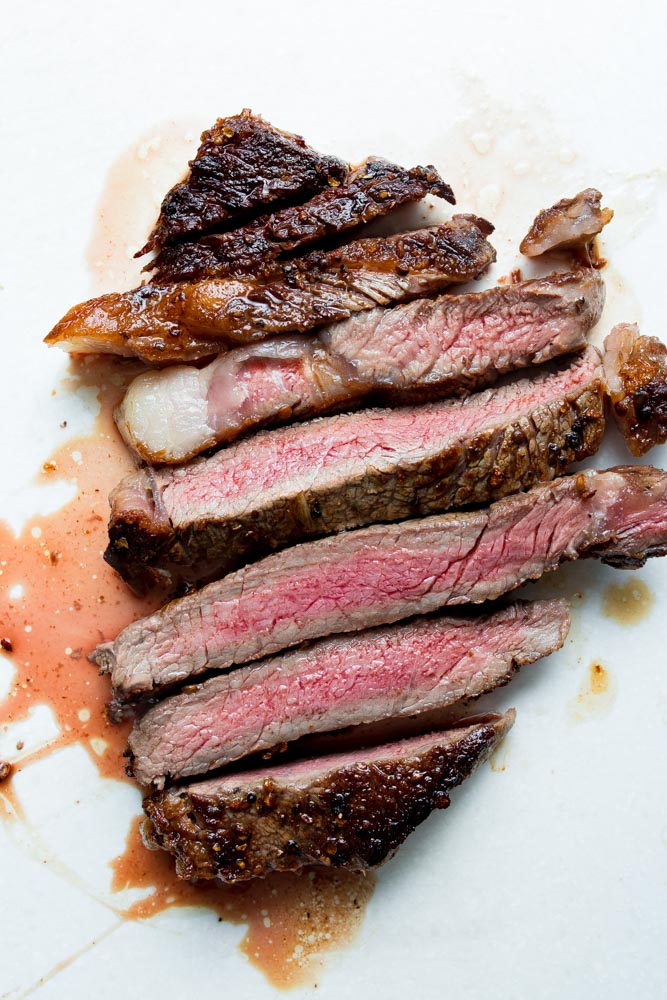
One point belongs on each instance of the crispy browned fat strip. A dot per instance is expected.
(635, 369)
(350, 810)
(187, 320)
(244, 165)
(570, 224)
(370, 191)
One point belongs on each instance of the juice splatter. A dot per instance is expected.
(629, 602)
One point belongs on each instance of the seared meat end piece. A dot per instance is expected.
(340, 472)
(350, 810)
(394, 672)
(370, 191)
(380, 574)
(427, 349)
(188, 320)
(242, 166)
(570, 224)
(635, 368)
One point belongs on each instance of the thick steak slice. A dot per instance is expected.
(350, 810)
(570, 224)
(426, 348)
(386, 572)
(187, 320)
(242, 166)
(391, 672)
(339, 472)
(635, 368)
(370, 191)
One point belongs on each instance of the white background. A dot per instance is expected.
(545, 880)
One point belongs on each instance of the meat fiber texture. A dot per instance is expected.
(186, 320)
(429, 348)
(347, 811)
(380, 574)
(391, 672)
(340, 472)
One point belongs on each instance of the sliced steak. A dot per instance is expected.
(570, 224)
(371, 190)
(339, 472)
(187, 320)
(391, 672)
(350, 810)
(423, 349)
(243, 165)
(635, 368)
(386, 572)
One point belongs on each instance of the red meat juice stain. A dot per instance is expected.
(72, 600)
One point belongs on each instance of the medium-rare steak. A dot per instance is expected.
(570, 224)
(373, 189)
(339, 472)
(187, 320)
(426, 348)
(243, 165)
(380, 574)
(390, 672)
(635, 368)
(349, 810)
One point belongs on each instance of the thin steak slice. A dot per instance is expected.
(390, 672)
(570, 224)
(350, 810)
(243, 165)
(339, 472)
(423, 349)
(635, 368)
(386, 572)
(373, 189)
(187, 320)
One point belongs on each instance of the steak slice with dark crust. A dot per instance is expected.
(426, 349)
(371, 190)
(635, 368)
(350, 810)
(570, 224)
(188, 320)
(243, 165)
(307, 480)
(392, 672)
(380, 574)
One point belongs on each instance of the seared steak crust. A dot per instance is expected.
(350, 811)
(636, 372)
(341, 472)
(188, 320)
(243, 165)
(380, 574)
(371, 190)
(570, 224)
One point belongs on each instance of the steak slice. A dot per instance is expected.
(386, 572)
(243, 165)
(350, 810)
(570, 224)
(340, 472)
(423, 349)
(391, 672)
(373, 189)
(187, 320)
(635, 368)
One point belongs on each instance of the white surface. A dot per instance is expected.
(546, 879)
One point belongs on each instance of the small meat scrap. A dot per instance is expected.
(635, 370)
(369, 192)
(242, 166)
(570, 224)
(5, 770)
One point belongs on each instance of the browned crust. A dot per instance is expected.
(637, 385)
(354, 817)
